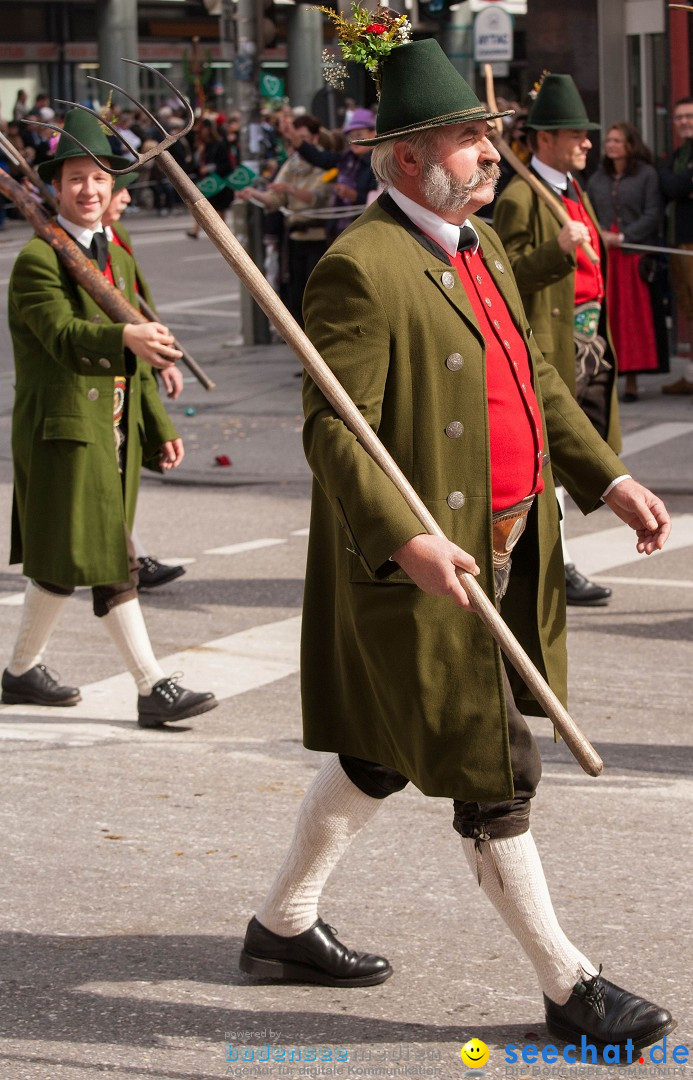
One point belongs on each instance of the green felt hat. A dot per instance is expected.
(125, 180)
(421, 89)
(91, 133)
(559, 105)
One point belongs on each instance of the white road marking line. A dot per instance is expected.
(227, 666)
(175, 560)
(646, 438)
(186, 305)
(199, 258)
(599, 551)
(300, 532)
(13, 599)
(218, 313)
(667, 583)
(248, 545)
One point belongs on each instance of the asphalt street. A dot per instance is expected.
(132, 860)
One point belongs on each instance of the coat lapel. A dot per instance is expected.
(442, 274)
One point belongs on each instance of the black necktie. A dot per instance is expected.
(468, 239)
(98, 249)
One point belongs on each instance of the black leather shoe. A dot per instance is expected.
(36, 687)
(580, 591)
(153, 573)
(606, 1014)
(168, 701)
(315, 956)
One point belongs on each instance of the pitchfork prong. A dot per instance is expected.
(138, 159)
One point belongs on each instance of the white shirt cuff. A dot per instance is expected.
(612, 485)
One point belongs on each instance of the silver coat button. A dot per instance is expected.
(448, 280)
(104, 363)
(86, 360)
(454, 429)
(499, 266)
(95, 319)
(455, 500)
(93, 394)
(454, 361)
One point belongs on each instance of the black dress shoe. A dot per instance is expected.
(580, 591)
(606, 1014)
(168, 701)
(315, 956)
(37, 687)
(153, 573)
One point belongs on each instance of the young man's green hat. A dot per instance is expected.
(92, 134)
(558, 105)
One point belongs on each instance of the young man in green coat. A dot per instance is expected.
(86, 414)
(416, 310)
(562, 291)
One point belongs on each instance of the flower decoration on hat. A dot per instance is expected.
(368, 39)
(538, 85)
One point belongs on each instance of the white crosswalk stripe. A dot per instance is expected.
(227, 666)
(253, 658)
(599, 551)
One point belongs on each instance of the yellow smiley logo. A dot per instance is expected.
(474, 1053)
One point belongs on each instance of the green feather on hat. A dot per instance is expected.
(91, 133)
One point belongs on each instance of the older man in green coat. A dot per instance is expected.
(416, 310)
(562, 291)
(86, 414)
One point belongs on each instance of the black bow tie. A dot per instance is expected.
(98, 249)
(468, 239)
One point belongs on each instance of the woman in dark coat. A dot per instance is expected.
(625, 195)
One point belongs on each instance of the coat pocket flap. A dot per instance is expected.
(73, 428)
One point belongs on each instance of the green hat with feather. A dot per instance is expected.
(91, 133)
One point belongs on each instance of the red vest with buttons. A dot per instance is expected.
(516, 437)
(589, 282)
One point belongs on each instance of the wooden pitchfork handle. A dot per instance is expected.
(314, 365)
(552, 201)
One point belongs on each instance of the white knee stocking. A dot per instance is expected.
(125, 624)
(332, 812)
(41, 612)
(513, 880)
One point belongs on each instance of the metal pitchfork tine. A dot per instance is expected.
(139, 159)
(244, 267)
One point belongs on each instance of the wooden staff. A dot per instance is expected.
(552, 201)
(150, 315)
(314, 365)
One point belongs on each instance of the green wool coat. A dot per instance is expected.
(69, 506)
(389, 673)
(546, 280)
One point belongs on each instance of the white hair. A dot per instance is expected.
(384, 164)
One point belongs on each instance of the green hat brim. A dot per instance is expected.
(125, 180)
(48, 169)
(578, 123)
(466, 116)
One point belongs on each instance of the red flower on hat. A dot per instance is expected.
(376, 28)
